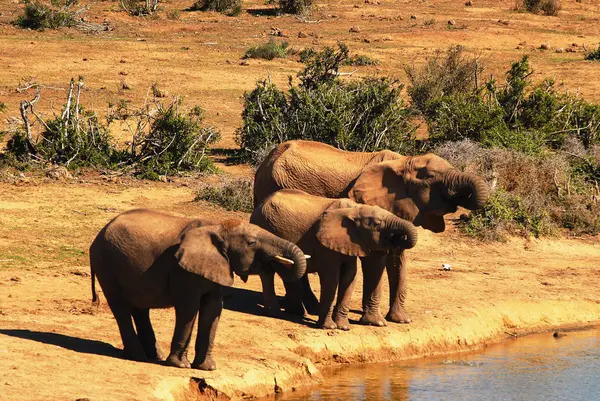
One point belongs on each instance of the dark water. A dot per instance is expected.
(533, 368)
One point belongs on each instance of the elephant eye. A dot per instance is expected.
(251, 242)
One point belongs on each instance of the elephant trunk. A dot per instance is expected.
(404, 233)
(289, 259)
(467, 190)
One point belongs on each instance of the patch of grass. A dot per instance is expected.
(173, 15)
(546, 7)
(593, 54)
(3, 107)
(40, 16)
(296, 6)
(227, 7)
(139, 8)
(268, 51)
(230, 193)
(360, 60)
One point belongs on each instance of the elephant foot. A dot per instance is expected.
(372, 319)
(208, 364)
(342, 323)
(327, 324)
(398, 315)
(178, 362)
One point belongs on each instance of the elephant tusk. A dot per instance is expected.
(284, 261)
(306, 256)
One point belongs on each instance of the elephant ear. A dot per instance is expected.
(202, 252)
(387, 185)
(337, 230)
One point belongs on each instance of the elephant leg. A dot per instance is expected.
(211, 307)
(329, 282)
(185, 317)
(311, 303)
(122, 310)
(346, 287)
(145, 333)
(372, 267)
(267, 279)
(396, 269)
(293, 298)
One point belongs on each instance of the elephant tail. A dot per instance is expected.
(95, 299)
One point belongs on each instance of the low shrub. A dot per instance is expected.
(268, 51)
(73, 138)
(230, 193)
(364, 114)
(168, 140)
(39, 16)
(531, 194)
(296, 6)
(546, 7)
(227, 7)
(516, 115)
(139, 8)
(444, 74)
(165, 139)
(593, 54)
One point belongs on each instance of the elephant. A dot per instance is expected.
(147, 259)
(420, 189)
(334, 232)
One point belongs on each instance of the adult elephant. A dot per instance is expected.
(334, 232)
(420, 189)
(146, 259)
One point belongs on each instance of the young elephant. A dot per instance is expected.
(335, 232)
(146, 259)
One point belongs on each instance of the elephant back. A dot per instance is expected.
(290, 213)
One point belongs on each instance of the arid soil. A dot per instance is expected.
(53, 345)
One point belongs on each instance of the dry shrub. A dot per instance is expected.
(547, 7)
(531, 194)
(227, 7)
(230, 193)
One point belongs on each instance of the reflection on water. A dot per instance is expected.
(532, 368)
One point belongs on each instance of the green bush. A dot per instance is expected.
(593, 54)
(445, 74)
(268, 51)
(73, 138)
(364, 114)
(547, 7)
(515, 115)
(227, 7)
(165, 139)
(174, 141)
(230, 193)
(40, 16)
(296, 6)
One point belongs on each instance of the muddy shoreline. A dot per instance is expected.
(310, 372)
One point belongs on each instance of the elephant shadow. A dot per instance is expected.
(251, 302)
(76, 344)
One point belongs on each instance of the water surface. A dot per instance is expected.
(533, 368)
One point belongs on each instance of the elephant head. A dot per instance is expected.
(358, 230)
(217, 251)
(420, 189)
